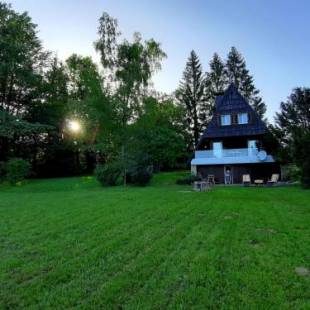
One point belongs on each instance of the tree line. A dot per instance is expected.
(127, 129)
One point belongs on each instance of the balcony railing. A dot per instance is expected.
(223, 153)
(229, 156)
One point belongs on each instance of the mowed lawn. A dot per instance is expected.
(69, 243)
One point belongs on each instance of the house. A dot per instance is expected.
(234, 142)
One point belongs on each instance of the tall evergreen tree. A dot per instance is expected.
(191, 95)
(293, 122)
(216, 80)
(238, 74)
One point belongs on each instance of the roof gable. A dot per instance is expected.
(232, 102)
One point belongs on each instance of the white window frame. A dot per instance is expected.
(243, 118)
(225, 119)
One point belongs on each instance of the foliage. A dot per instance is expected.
(21, 60)
(128, 67)
(294, 173)
(295, 112)
(54, 93)
(271, 143)
(159, 132)
(238, 74)
(19, 137)
(293, 124)
(16, 170)
(191, 95)
(216, 80)
(107, 43)
(140, 171)
(131, 66)
(108, 174)
(301, 146)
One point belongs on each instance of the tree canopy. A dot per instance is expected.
(293, 128)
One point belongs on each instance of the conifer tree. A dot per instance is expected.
(238, 74)
(216, 80)
(191, 95)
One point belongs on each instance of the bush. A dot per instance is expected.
(305, 174)
(140, 174)
(2, 172)
(294, 173)
(108, 173)
(301, 155)
(16, 170)
(188, 180)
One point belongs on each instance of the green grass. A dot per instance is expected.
(69, 243)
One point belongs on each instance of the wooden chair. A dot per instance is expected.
(274, 179)
(246, 180)
(211, 179)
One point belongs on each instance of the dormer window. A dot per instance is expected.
(225, 119)
(243, 118)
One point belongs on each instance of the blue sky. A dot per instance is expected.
(273, 35)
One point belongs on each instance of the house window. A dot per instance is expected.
(225, 120)
(243, 118)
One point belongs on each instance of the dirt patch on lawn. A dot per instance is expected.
(302, 271)
(231, 216)
(267, 230)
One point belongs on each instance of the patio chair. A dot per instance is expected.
(246, 180)
(274, 179)
(211, 179)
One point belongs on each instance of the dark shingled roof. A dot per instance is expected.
(232, 102)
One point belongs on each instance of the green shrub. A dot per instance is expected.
(293, 173)
(188, 180)
(139, 170)
(140, 174)
(16, 170)
(108, 173)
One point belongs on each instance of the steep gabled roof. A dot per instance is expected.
(232, 102)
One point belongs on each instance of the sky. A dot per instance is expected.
(272, 35)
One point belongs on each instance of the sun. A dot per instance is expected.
(74, 126)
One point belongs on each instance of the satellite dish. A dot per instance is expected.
(262, 155)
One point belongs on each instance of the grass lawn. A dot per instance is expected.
(68, 243)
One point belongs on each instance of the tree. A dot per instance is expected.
(159, 133)
(21, 77)
(191, 95)
(294, 122)
(130, 66)
(131, 63)
(54, 97)
(136, 63)
(238, 74)
(84, 77)
(216, 80)
(18, 136)
(107, 43)
(21, 61)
